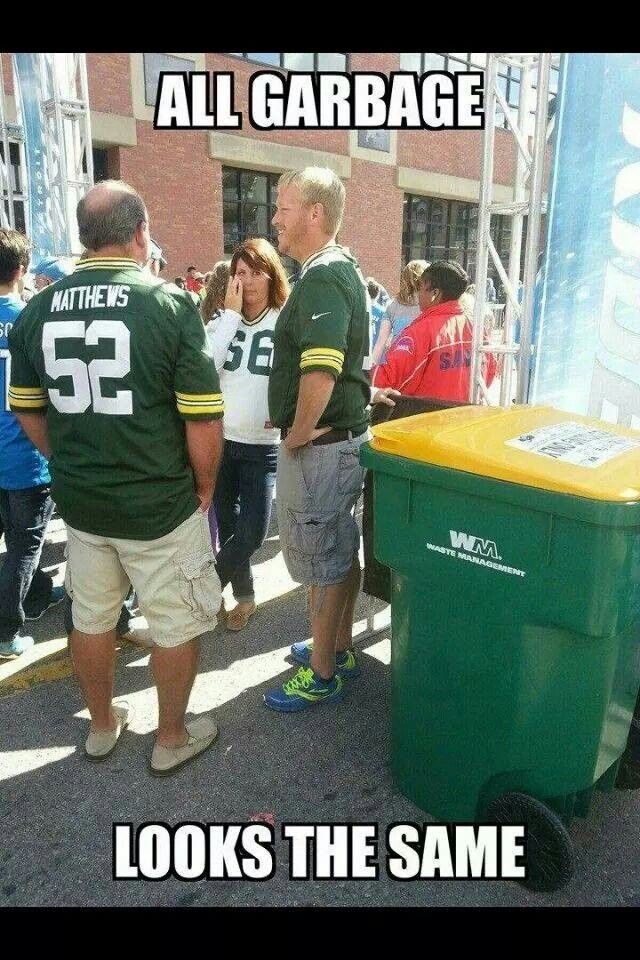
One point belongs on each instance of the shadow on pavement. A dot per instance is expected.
(330, 764)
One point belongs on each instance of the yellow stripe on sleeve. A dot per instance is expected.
(322, 361)
(199, 397)
(31, 404)
(27, 391)
(325, 361)
(325, 351)
(204, 408)
(193, 403)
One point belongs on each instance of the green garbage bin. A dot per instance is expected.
(514, 541)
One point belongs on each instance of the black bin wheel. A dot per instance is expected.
(550, 861)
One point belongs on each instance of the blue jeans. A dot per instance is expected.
(24, 515)
(242, 501)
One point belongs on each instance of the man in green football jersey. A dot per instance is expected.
(318, 394)
(110, 378)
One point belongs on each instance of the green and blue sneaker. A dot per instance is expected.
(304, 690)
(346, 663)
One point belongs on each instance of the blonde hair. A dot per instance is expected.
(319, 185)
(215, 289)
(467, 301)
(409, 280)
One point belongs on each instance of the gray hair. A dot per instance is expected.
(319, 185)
(111, 221)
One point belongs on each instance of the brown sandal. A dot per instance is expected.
(238, 618)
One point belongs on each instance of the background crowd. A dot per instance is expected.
(294, 363)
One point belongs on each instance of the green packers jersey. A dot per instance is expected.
(119, 360)
(324, 325)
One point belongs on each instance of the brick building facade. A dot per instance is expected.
(206, 189)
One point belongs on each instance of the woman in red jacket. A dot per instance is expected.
(432, 357)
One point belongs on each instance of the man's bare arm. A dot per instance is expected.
(205, 442)
(35, 426)
(313, 396)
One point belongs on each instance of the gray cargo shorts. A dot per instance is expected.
(317, 488)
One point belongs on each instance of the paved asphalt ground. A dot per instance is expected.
(330, 764)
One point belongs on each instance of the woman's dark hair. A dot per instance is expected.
(258, 254)
(447, 276)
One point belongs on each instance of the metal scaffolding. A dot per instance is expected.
(68, 166)
(10, 134)
(527, 201)
(67, 134)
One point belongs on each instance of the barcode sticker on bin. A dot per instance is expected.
(574, 443)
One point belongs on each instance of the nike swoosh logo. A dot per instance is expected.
(316, 316)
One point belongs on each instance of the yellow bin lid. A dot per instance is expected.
(535, 446)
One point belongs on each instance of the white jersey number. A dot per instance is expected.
(260, 352)
(86, 377)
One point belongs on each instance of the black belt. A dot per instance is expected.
(331, 436)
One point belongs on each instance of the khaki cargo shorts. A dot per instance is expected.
(317, 488)
(174, 577)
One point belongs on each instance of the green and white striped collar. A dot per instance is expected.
(108, 263)
(261, 316)
(334, 248)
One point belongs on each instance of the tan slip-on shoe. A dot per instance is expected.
(239, 617)
(165, 760)
(100, 744)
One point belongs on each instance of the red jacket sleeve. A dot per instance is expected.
(399, 365)
(489, 364)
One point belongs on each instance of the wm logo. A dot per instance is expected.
(466, 541)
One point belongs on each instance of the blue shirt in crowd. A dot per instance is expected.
(21, 466)
(377, 313)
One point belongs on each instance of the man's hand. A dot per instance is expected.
(293, 440)
(34, 424)
(233, 295)
(384, 395)
(313, 396)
